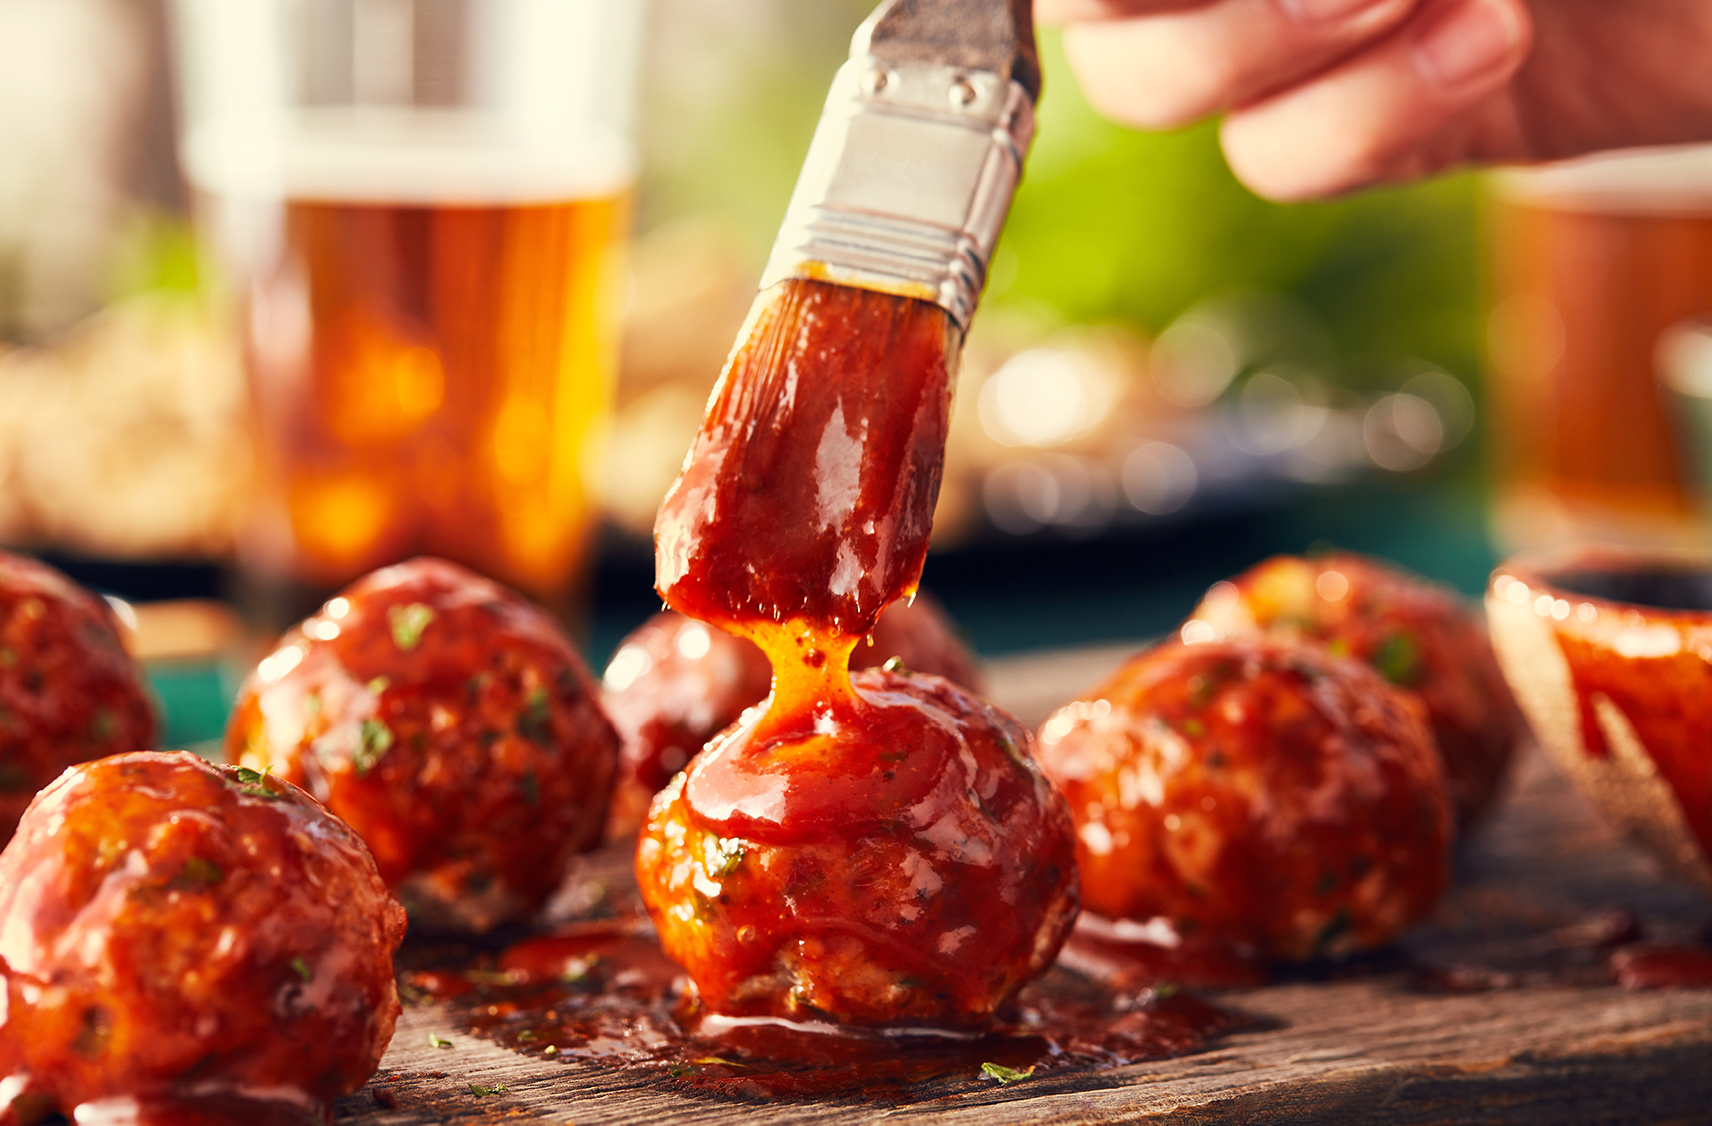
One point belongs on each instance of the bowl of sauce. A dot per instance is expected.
(1609, 654)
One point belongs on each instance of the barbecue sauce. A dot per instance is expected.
(1663, 967)
(189, 943)
(872, 853)
(1635, 637)
(804, 505)
(802, 511)
(603, 993)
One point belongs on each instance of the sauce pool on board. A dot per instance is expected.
(602, 992)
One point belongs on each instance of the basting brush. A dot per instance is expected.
(804, 504)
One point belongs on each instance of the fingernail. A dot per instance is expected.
(1324, 11)
(1462, 42)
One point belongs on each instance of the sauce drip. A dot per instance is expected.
(802, 511)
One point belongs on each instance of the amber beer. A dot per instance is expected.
(1590, 262)
(416, 209)
(428, 378)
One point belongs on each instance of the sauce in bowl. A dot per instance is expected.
(1610, 655)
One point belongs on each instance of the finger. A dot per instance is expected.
(1406, 106)
(1164, 70)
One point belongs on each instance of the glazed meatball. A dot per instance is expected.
(452, 724)
(190, 936)
(670, 687)
(1416, 634)
(1258, 794)
(68, 690)
(675, 683)
(896, 859)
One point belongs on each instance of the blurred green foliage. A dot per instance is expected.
(731, 91)
(1113, 224)
(1109, 225)
(155, 250)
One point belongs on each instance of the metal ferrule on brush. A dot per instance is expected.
(907, 182)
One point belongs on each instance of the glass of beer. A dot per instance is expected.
(417, 209)
(1591, 261)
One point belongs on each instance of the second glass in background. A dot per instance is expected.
(420, 208)
(1591, 262)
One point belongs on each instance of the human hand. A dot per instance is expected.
(1324, 96)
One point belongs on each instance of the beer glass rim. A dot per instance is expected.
(1662, 180)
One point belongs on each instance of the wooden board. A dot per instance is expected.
(1370, 1046)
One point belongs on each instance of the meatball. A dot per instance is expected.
(182, 934)
(894, 859)
(68, 690)
(675, 683)
(1260, 795)
(1417, 634)
(670, 687)
(452, 725)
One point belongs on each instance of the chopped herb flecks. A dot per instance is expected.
(372, 745)
(91, 1039)
(1335, 926)
(408, 622)
(435, 1041)
(200, 871)
(1396, 658)
(534, 722)
(493, 977)
(103, 725)
(300, 967)
(481, 1092)
(1004, 1074)
(254, 784)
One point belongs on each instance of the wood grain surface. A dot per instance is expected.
(1540, 1039)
